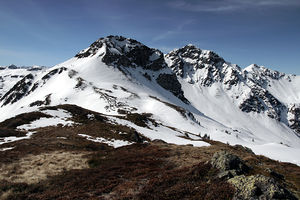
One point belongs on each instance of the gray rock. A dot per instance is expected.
(258, 187)
(227, 174)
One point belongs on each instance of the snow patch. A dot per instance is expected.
(14, 139)
(7, 149)
(112, 142)
(59, 117)
(278, 152)
(164, 133)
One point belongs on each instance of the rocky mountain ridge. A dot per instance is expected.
(118, 75)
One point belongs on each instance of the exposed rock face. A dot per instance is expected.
(229, 165)
(120, 51)
(206, 68)
(170, 82)
(45, 102)
(53, 72)
(202, 66)
(261, 75)
(294, 117)
(18, 91)
(258, 187)
(1, 85)
(261, 100)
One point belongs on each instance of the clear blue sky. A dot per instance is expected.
(47, 32)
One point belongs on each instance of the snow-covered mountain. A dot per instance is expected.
(189, 93)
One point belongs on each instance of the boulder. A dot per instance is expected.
(229, 165)
(258, 187)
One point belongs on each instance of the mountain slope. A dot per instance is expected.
(10, 75)
(187, 94)
(206, 77)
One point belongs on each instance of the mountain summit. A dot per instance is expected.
(120, 51)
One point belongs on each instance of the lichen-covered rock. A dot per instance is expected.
(258, 187)
(229, 165)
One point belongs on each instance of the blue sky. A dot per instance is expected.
(47, 32)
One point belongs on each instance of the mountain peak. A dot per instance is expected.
(111, 41)
(261, 71)
(120, 51)
(202, 66)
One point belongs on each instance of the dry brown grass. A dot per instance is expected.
(34, 168)
(50, 167)
(188, 156)
(5, 195)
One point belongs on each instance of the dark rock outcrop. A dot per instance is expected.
(45, 102)
(262, 76)
(18, 90)
(261, 100)
(53, 72)
(294, 117)
(121, 51)
(170, 83)
(190, 60)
